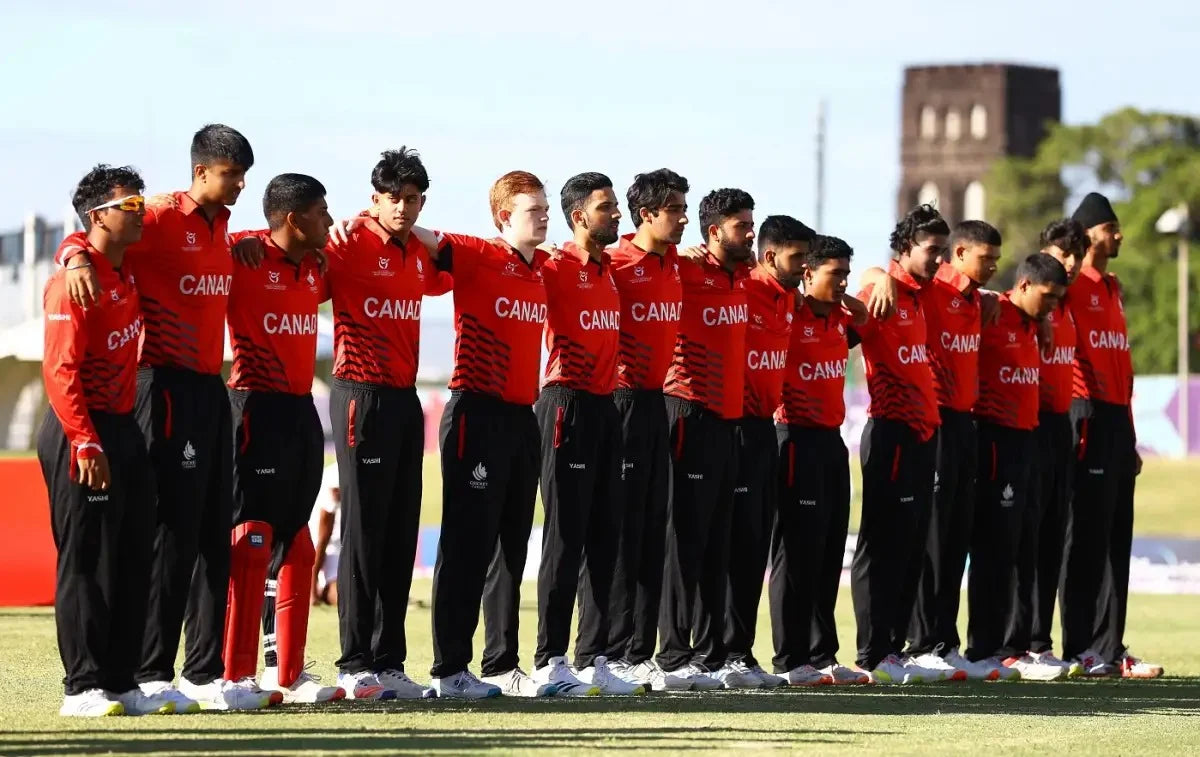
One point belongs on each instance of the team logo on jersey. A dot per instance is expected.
(115, 295)
(311, 281)
(273, 276)
(808, 331)
(583, 276)
(191, 237)
(510, 267)
(639, 270)
(1012, 337)
(758, 319)
(1095, 300)
(903, 314)
(1006, 496)
(708, 282)
(189, 456)
(384, 262)
(841, 329)
(420, 266)
(955, 303)
(478, 477)
(788, 317)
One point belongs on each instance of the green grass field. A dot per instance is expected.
(1114, 717)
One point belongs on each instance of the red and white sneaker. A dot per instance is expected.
(1132, 667)
(1095, 666)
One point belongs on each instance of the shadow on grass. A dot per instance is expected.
(445, 725)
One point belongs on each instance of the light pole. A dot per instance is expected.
(1175, 221)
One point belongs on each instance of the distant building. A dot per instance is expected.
(956, 120)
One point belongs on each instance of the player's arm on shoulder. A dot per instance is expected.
(881, 302)
(989, 307)
(247, 248)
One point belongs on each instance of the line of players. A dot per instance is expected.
(665, 436)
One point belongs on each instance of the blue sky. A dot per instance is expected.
(723, 92)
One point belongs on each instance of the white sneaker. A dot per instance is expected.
(1095, 666)
(184, 705)
(600, 674)
(556, 673)
(364, 685)
(137, 703)
(1073, 669)
(805, 675)
(1032, 670)
(934, 662)
(517, 683)
(920, 673)
(464, 685)
(404, 687)
(840, 675)
(892, 670)
(694, 677)
(976, 671)
(93, 703)
(227, 695)
(645, 674)
(736, 674)
(306, 689)
(767, 680)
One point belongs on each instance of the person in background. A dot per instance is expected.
(326, 527)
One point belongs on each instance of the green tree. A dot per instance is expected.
(1145, 163)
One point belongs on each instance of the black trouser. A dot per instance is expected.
(185, 419)
(691, 620)
(755, 493)
(1040, 560)
(105, 550)
(935, 615)
(1005, 511)
(646, 476)
(1095, 582)
(808, 544)
(897, 489)
(581, 494)
(379, 435)
(489, 483)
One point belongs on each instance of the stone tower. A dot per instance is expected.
(956, 120)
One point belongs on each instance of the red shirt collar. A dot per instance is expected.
(581, 256)
(273, 251)
(948, 274)
(187, 205)
(626, 243)
(902, 276)
(372, 225)
(1094, 274)
(1009, 311)
(758, 273)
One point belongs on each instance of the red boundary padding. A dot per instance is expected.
(27, 555)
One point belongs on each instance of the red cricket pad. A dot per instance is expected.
(293, 594)
(248, 563)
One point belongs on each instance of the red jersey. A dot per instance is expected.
(767, 336)
(377, 283)
(499, 311)
(583, 321)
(1103, 365)
(1009, 359)
(273, 322)
(651, 307)
(706, 366)
(815, 381)
(1058, 364)
(90, 358)
(896, 357)
(183, 271)
(952, 320)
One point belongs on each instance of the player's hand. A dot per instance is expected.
(82, 285)
(427, 238)
(316, 596)
(249, 251)
(857, 309)
(882, 302)
(1137, 463)
(548, 247)
(695, 253)
(94, 473)
(162, 201)
(989, 308)
(340, 231)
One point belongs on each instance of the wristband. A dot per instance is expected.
(74, 267)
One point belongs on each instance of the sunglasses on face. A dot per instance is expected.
(131, 203)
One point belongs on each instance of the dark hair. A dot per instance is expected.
(824, 248)
(290, 193)
(921, 221)
(975, 232)
(1040, 268)
(651, 190)
(397, 168)
(96, 188)
(220, 142)
(720, 204)
(578, 188)
(782, 230)
(1068, 235)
